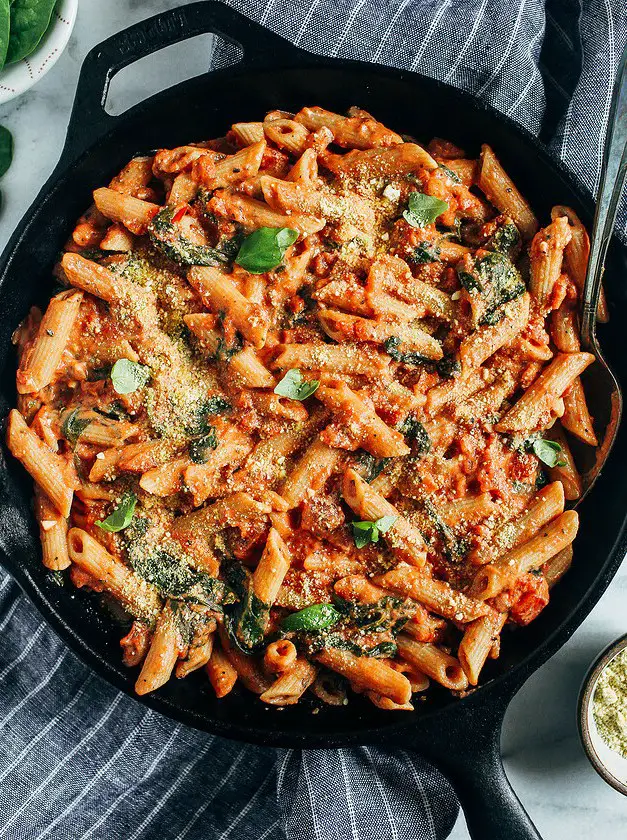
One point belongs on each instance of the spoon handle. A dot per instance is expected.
(613, 172)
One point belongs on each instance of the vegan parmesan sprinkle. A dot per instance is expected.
(609, 704)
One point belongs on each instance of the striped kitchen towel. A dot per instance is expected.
(79, 760)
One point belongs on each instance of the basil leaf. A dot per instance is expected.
(264, 249)
(548, 451)
(199, 450)
(30, 20)
(312, 618)
(5, 18)
(73, 426)
(423, 210)
(368, 532)
(295, 387)
(128, 376)
(121, 517)
(6, 138)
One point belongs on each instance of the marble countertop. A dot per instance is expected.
(543, 756)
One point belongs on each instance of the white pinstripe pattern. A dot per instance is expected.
(35, 793)
(611, 70)
(205, 805)
(129, 791)
(10, 613)
(306, 21)
(349, 23)
(506, 52)
(381, 789)
(269, 830)
(96, 777)
(349, 796)
(169, 793)
(533, 76)
(564, 35)
(35, 690)
(390, 28)
(314, 818)
(434, 25)
(421, 789)
(246, 810)
(469, 40)
(25, 651)
(42, 734)
(282, 771)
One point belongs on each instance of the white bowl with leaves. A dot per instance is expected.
(33, 34)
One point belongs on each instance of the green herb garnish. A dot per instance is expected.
(366, 532)
(423, 210)
(370, 467)
(127, 376)
(120, 518)
(548, 451)
(264, 249)
(311, 619)
(497, 280)
(295, 387)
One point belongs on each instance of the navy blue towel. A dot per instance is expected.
(79, 760)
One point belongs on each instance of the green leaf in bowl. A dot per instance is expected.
(30, 20)
(6, 148)
(5, 19)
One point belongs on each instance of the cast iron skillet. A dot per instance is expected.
(459, 736)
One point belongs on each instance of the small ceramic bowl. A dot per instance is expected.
(19, 77)
(609, 764)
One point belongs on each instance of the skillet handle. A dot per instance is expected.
(89, 121)
(466, 747)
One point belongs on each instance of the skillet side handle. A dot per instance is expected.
(467, 749)
(89, 121)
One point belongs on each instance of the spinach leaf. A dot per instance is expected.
(5, 18)
(366, 532)
(313, 618)
(6, 139)
(506, 239)
(497, 280)
(264, 249)
(246, 623)
(423, 210)
(549, 452)
(30, 20)
(424, 252)
(217, 404)
(127, 376)
(295, 387)
(388, 614)
(200, 449)
(333, 640)
(416, 434)
(74, 425)
(120, 518)
(371, 467)
(454, 549)
(167, 238)
(448, 367)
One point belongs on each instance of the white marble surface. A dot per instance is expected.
(542, 752)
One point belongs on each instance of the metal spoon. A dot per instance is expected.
(603, 388)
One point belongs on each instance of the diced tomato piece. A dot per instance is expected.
(533, 598)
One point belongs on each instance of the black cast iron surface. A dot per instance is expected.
(461, 736)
